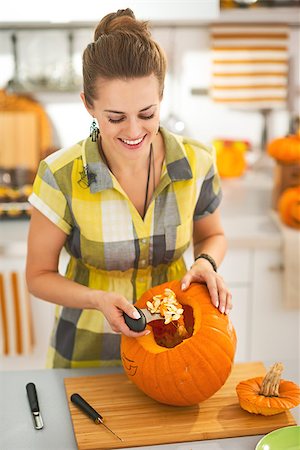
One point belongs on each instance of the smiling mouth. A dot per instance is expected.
(133, 142)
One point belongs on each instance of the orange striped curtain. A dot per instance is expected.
(16, 329)
(250, 65)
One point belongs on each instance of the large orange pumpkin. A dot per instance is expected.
(178, 371)
(289, 207)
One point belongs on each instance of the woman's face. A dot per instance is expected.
(127, 112)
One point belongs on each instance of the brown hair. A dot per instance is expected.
(123, 48)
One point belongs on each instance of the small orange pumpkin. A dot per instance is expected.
(289, 207)
(182, 371)
(231, 161)
(268, 395)
(285, 149)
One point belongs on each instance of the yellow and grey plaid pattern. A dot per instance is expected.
(111, 246)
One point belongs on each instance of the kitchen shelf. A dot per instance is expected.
(254, 14)
(257, 14)
(39, 89)
(42, 26)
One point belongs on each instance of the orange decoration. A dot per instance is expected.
(231, 160)
(268, 395)
(289, 207)
(182, 370)
(286, 149)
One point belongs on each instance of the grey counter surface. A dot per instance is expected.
(16, 427)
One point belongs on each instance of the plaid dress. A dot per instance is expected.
(111, 247)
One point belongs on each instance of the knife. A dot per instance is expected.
(140, 324)
(34, 406)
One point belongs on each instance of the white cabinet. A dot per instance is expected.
(236, 271)
(265, 329)
(25, 322)
(274, 328)
(240, 320)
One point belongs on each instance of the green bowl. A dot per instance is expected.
(287, 438)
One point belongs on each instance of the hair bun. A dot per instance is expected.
(123, 19)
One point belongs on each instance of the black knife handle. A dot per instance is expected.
(32, 397)
(85, 407)
(136, 324)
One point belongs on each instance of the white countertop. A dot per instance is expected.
(16, 428)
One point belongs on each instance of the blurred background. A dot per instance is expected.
(233, 81)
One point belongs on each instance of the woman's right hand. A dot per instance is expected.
(44, 281)
(113, 305)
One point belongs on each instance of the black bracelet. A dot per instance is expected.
(208, 258)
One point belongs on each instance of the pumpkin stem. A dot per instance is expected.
(271, 382)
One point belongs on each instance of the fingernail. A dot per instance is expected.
(147, 332)
(136, 314)
(222, 310)
(217, 304)
(183, 286)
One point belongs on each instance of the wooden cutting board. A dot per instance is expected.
(140, 421)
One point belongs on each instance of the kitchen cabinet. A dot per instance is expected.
(156, 10)
(240, 319)
(27, 321)
(274, 328)
(236, 271)
(266, 329)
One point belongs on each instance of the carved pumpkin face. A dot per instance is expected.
(289, 207)
(178, 371)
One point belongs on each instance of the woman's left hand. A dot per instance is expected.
(202, 272)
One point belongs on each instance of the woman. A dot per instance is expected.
(125, 203)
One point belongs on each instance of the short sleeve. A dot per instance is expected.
(49, 199)
(210, 194)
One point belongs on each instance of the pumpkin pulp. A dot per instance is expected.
(169, 335)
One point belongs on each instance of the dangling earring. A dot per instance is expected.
(94, 131)
(158, 128)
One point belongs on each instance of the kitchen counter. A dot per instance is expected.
(16, 427)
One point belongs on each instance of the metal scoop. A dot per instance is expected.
(140, 324)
